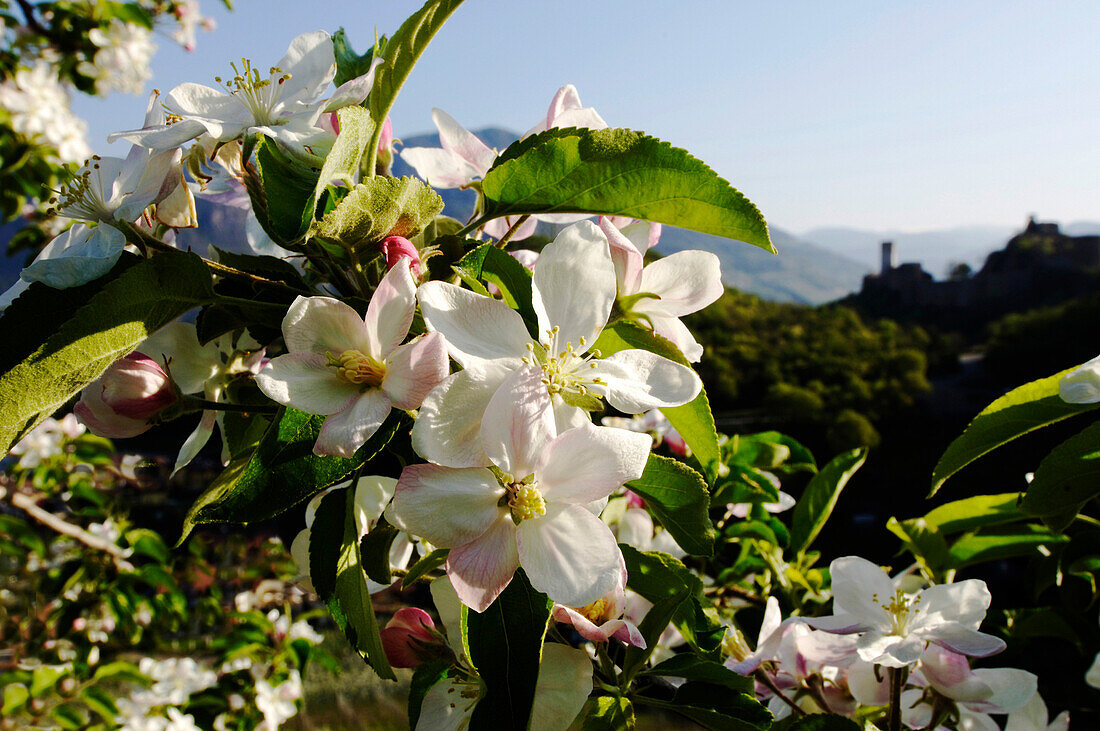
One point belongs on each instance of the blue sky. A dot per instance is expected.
(871, 114)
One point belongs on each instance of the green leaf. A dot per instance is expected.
(817, 502)
(800, 457)
(654, 623)
(399, 54)
(506, 647)
(121, 670)
(15, 695)
(268, 267)
(1067, 477)
(678, 496)
(131, 13)
(693, 420)
(745, 485)
(101, 702)
(336, 569)
(284, 203)
(349, 64)
(924, 541)
(375, 549)
(68, 716)
(1002, 542)
(691, 667)
(342, 164)
(975, 512)
(1018, 412)
(433, 560)
(618, 172)
(145, 542)
(823, 722)
(489, 264)
(715, 707)
(135, 304)
(379, 207)
(607, 713)
(282, 471)
(424, 677)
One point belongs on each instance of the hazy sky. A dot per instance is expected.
(905, 115)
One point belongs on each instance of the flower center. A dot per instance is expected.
(595, 612)
(257, 94)
(522, 497)
(356, 367)
(565, 371)
(901, 609)
(82, 197)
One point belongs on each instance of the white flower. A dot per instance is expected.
(46, 440)
(634, 526)
(528, 507)
(190, 18)
(896, 627)
(122, 61)
(284, 105)
(277, 703)
(573, 289)
(354, 370)
(662, 292)
(39, 109)
(1082, 384)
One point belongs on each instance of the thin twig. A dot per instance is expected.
(28, 505)
(511, 231)
(896, 681)
(768, 683)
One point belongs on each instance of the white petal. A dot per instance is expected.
(638, 380)
(164, 137)
(626, 257)
(498, 227)
(76, 257)
(962, 639)
(866, 687)
(964, 602)
(457, 139)
(565, 680)
(449, 609)
(479, 570)
(448, 428)
(196, 440)
(439, 168)
(304, 381)
(891, 651)
(569, 555)
(448, 507)
(414, 369)
(518, 423)
(860, 588)
(372, 494)
(347, 430)
(310, 63)
(590, 462)
(477, 328)
(353, 91)
(1082, 384)
(447, 706)
(390, 311)
(323, 325)
(574, 284)
(191, 364)
(686, 282)
(671, 329)
(1012, 688)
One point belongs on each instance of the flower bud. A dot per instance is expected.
(122, 402)
(410, 638)
(394, 248)
(385, 149)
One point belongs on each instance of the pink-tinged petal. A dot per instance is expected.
(1012, 688)
(391, 308)
(196, 441)
(102, 421)
(447, 507)
(949, 672)
(916, 711)
(354, 91)
(589, 462)
(859, 589)
(686, 282)
(587, 118)
(347, 430)
(480, 569)
(962, 639)
(620, 629)
(627, 632)
(518, 423)
(477, 328)
(414, 369)
(626, 257)
(964, 602)
(309, 63)
(448, 427)
(841, 624)
(826, 648)
(439, 168)
(867, 687)
(405, 636)
(638, 380)
(457, 139)
(304, 381)
(498, 227)
(323, 325)
(574, 285)
(569, 554)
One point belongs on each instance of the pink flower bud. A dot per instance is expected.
(409, 638)
(385, 142)
(394, 248)
(122, 402)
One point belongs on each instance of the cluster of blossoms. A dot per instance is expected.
(122, 61)
(890, 631)
(37, 105)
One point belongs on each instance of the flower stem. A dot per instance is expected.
(511, 231)
(189, 404)
(896, 681)
(768, 683)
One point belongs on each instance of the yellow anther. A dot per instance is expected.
(526, 503)
(356, 367)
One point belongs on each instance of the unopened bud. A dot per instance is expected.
(410, 639)
(395, 248)
(123, 401)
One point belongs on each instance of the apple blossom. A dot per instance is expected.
(124, 400)
(410, 638)
(566, 111)
(1082, 384)
(894, 627)
(573, 289)
(662, 292)
(528, 507)
(657, 425)
(396, 248)
(351, 370)
(37, 105)
(602, 619)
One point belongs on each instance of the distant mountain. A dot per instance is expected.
(802, 272)
(1081, 228)
(934, 250)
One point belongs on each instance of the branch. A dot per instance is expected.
(58, 524)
